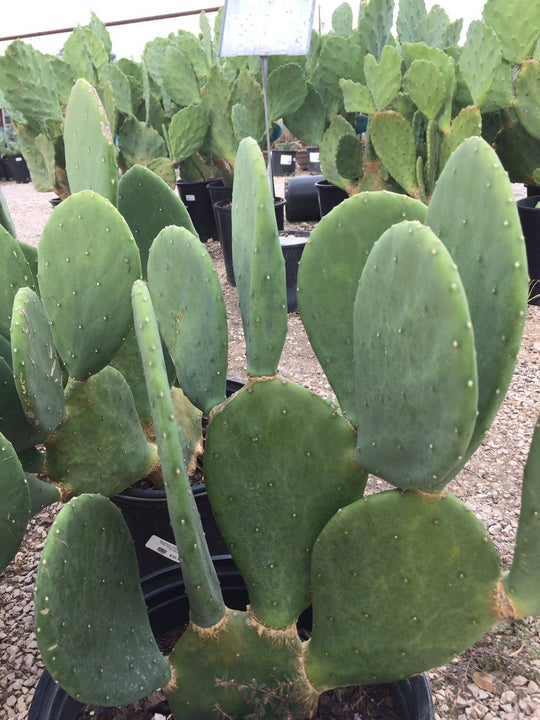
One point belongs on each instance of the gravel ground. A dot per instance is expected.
(498, 679)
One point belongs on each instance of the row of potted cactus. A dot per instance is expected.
(399, 581)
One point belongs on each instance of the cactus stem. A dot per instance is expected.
(214, 630)
(283, 636)
(505, 608)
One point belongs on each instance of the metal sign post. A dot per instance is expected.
(263, 28)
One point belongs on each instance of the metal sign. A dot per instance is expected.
(266, 27)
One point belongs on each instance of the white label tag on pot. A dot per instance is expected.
(163, 547)
(285, 160)
(313, 157)
(18, 159)
(190, 198)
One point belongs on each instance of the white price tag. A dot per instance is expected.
(163, 547)
(190, 198)
(313, 157)
(285, 160)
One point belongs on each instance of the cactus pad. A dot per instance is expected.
(14, 274)
(87, 263)
(411, 304)
(189, 305)
(90, 150)
(15, 508)
(523, 580)
(421, 575)
(13, 422)
(489, 251)
(36, 366)
(383, 78)
(270, 511)
(425, 86)
(235, 670)
(479, 60)
(528, 97)
(259, 266)
(393, 140)
(89, 437)
(187, 132)
(92, 628)
(328, 275)
(516, 26)
(287, 90)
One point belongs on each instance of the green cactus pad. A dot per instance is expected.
(246, 91)
(148, 205)
(425, 86)
(15, 507)
(393, 140)
(6, 221)
(338, 58)
(409, 16)
(383, 78)
(270, 511)
(36, 365)
(189, 305)
(179, 79)
(286, 89)
(349, 157)
(523, 580)
(516, 26)
(342, 20)
(411, 304)
(102, 433)
(187, 132)
(501, 92)
(189, 424)
(519, 152)
(467, 122)
(215, 99)
(357, 98)
(445, 64)
(309, 121)
(13, 422)
(238, 671)
(139, 142)
(528, 97)
(479, 60)
(329, 149)
(30, 253)
(89, 146)
(92, 628)
(205, 599)
(87, 263)
(374, 24)
(42, 493)
(421, 575)
(259, 266)
(14, 274)
(489, 251)
(328, 275)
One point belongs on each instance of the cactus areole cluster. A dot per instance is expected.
(415, 314)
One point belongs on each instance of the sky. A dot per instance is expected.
(128, 41)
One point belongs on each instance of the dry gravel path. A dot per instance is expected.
(498, 679)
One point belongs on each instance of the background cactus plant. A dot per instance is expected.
(353, 556)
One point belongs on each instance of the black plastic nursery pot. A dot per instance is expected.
(283, 162)
(168, 608)
(532, 190)
(292, 244)
(302, 198)
(196, 198)
(529, 215)
(224, 223)
(329, 196)
(146, 514)
(314, 164)
(15, 168)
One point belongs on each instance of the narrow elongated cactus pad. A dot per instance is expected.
(148, 205)
(415, 365)
(483, 234)
(190, 309)
(6, 221)
(259, 266)
(100, 446)
(278, 463)
(90, 151)
(328, 276)
(523, 580)
(421, 576)
(15, 506)
(14, 274)
(92, 628)
(236, 670)
(36, 366)
(88, 261)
